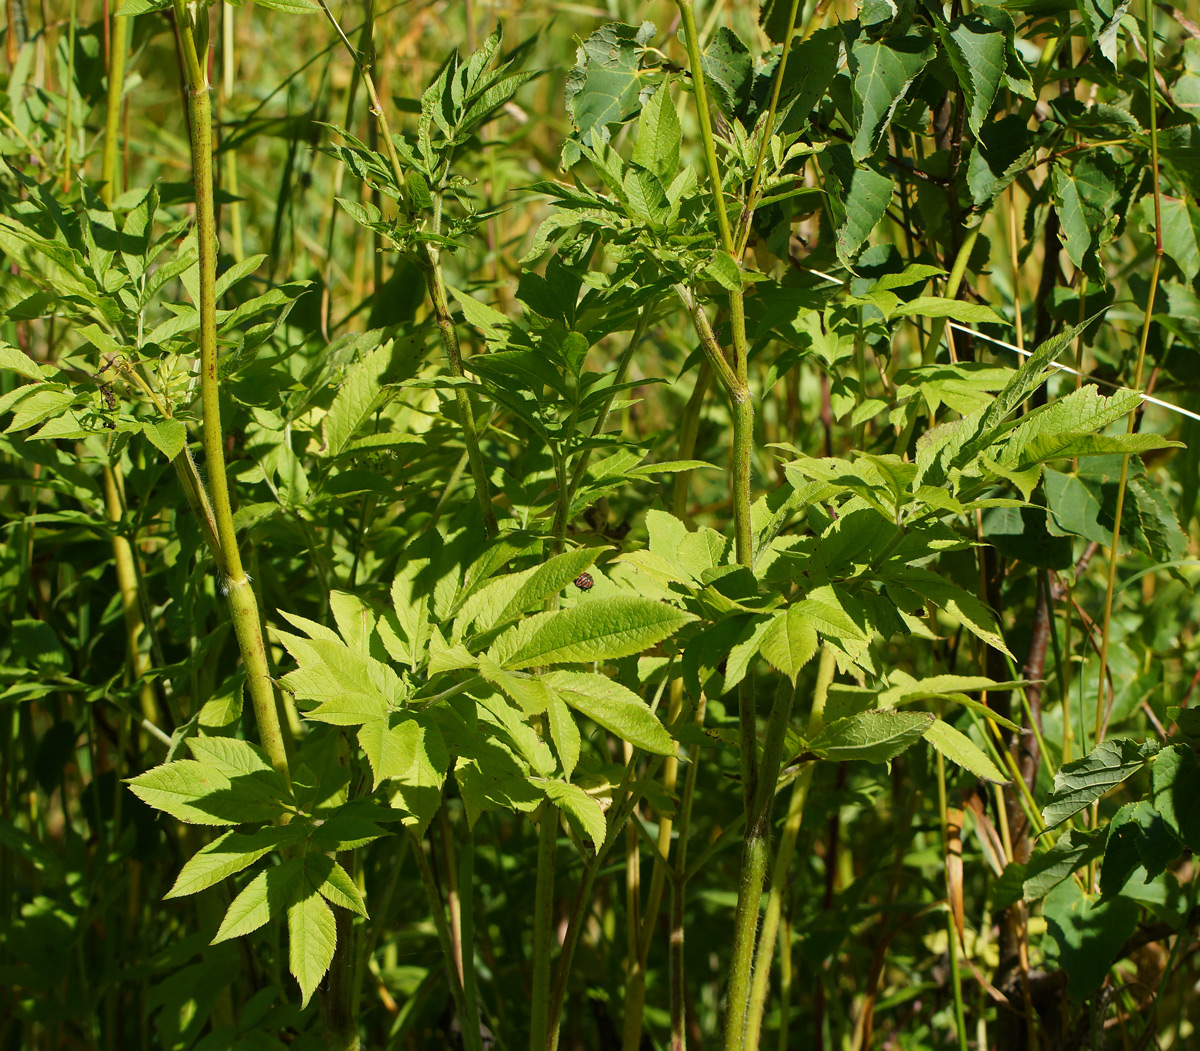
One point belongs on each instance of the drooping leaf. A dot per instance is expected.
(882, 71)
(1079, 784)
(312, 938)
(1176, 781)
(1048, 868)
(1089, 932)
(977, 53)
(871, 736)
(959, 748)
(581, 809)
(613, 706)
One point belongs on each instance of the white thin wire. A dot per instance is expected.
(1025, 354)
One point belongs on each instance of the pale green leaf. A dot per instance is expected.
(592, 631)
(613, 706)
(312, 938)
(261, 898)
(580, 808)
(959, 748)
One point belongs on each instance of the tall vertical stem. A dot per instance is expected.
(783, 858)
(118, 49)
(543, 929)
(755, 851)
(242, 603)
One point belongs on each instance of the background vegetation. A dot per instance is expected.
(639, 530)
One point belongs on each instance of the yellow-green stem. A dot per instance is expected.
(783, 858)
(755, 853)
(937, 327)
(131, 607)
(118, 47)
(242, 603)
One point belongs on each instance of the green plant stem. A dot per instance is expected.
(755, 852)
(68, 114)
(937, 327)
(1147, 319)
(581, 465)
(635, 983)
(118, 48)
(747, 216)
(466, 882)
(784, 857)
(429, 262)
(242, 604)
(124, 557)
(628, 795)
(127, 585)
(689, 430)
(472, 1040)
(688, 15)
(676, 969)
(228, 68)
(960, 1021)
(540, 1023)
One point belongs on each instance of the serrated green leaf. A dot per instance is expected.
(871, 736)
(611, 705)
(1079, 784)
(1176, 785)
(169, 436)
(883, 71)
(790, 641)
(593, 631)
(261, 898)
(226, 855)
(312, 938)
(659, 136)
(333, 883)
(580, 808)
(504, 599)
(198, 794)
(977, 53)
(959, 748)
(358, 396)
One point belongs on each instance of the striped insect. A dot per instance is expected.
(584, 581)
